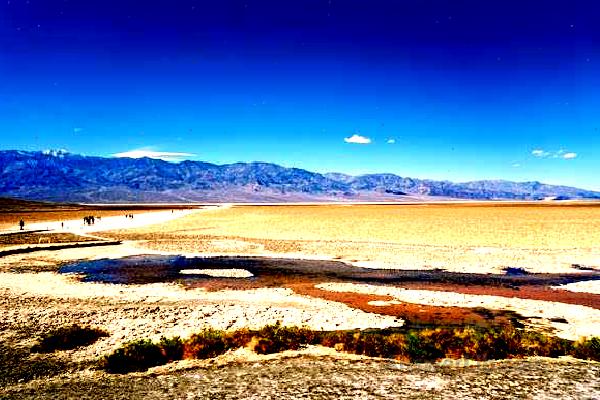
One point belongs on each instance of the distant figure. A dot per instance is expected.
(22, 224)
(91, 218)
(62, 225)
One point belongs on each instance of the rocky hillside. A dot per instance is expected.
(61, 176)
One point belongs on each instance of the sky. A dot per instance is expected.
(458, 90)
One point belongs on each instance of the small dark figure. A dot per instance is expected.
(85, 221)
(91, 218)
(22, 224)
(62, 225)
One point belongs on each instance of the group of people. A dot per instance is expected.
(128, 215)
(90, 220)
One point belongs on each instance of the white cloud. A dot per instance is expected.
(539, 153)
(391, 141)
(516, 165)
(358, 139)
(77, 130)
(161, 155)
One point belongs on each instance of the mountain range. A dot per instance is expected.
(62, 176)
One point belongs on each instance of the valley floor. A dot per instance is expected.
(441, 242)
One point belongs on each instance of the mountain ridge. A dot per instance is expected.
(62, 176)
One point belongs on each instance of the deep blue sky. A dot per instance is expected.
(467, 89)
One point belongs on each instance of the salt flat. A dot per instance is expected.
(456, 237)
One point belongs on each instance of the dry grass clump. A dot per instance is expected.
(68, 337)
(423, 345)
(138, 355)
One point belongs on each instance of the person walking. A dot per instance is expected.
(22, 224)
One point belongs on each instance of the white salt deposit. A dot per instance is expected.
(219, 273)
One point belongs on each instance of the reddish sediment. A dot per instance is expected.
(414, 314)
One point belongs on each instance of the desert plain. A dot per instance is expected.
(323, 267)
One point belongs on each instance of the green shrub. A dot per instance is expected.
(206, 344)
(536, 344)
(414, 345)
(171, 349)
(68, 337)
(238, 338)
(276, 338)
(421, 348)
(138, 355)
(587, 349)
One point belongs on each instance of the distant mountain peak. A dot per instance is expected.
(55, 152)
(62, 176)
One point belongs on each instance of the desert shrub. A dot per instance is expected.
(171, 348)
(536, 344)
(206, 344)
(238, 338)
(587, 349)
(421, 346)
(414, 345)
(138, 355)
(497, 344)
(332, 338)
(378, 345)
(68, 337)
(276, 338)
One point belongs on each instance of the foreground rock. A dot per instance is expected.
(309, 377)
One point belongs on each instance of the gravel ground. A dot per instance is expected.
(327, 377)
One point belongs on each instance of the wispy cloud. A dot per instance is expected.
(358, 139)
(161, 155)
(540, 153)
(516, 165)
(77, 130)
(567, 155)
(391, 141)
